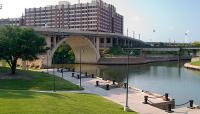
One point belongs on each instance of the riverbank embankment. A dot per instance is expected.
(193, 67)
(138, 60)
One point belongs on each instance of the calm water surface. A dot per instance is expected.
(163, 77)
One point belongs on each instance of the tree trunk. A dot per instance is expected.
(13, 67)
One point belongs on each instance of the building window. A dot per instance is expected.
(101, 40)
(108, 40)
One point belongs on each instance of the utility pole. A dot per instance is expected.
(0, 6)
(127, 32)
(79, 1)
(139, 36)
(133, 34)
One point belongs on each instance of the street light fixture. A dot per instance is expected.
(126, 108)
(54, 77)
(0, 6)
(62, 65)
(48, 54)
(80, 64)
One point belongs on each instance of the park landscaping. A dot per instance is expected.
(32, 80)
(196, 63)
(19, 95)
(29, 102)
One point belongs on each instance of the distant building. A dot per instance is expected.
(11, 21)
(95, 16)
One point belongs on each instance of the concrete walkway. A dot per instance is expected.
(136, 97)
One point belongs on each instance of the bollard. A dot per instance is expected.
(73, 70)
(92, 75)
(191, 103)
(107, 87)
(97, 83)
(86, 74)
(125, 85)
(57, 69)
(78, 76)
(69, 69)
(72, 74)
(166, 97)
(145, 99)
(173, 103)
(61, 70)
(113, 82)
(169, 108)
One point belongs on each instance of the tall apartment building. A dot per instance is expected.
(95, 16)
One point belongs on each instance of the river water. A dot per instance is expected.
(162, 77)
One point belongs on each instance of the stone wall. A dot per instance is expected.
(195, 59)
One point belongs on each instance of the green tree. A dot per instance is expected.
(19, 43)
(64, 54)
(117, 50)
(196, 44)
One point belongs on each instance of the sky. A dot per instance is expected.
(154, 20)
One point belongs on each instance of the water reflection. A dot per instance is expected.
(161, 77)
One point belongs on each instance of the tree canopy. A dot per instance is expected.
(19, 43)
(63, 55)
(197, 44)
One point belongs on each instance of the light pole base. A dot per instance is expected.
(127, 109)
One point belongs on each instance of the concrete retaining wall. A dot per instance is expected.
(195, 59)
(189, 66)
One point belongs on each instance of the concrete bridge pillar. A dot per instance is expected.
(194, 53)
(54, 42)
(117, 41)
(179, 55)
(105, 42)
(124, 43)
(48, 41)
(97, 48)
(111, 42)
(141, 53)
(186, 53)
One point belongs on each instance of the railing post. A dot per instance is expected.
(78, 76)
(107, 87)
(169, 108)
(173, 103)
(97, 83)
(125, 85)
(92, 75)
(191, 103)
(145, 99)
(166, 96)
(113, 82)
(72, 74)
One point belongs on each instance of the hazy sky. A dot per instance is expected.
(171, 19)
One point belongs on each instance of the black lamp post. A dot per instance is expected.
(80, 65)
(126, 108)
(48, 62)
(54, 77)
(62, 65)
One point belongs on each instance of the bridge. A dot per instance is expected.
(186, 50)
(85, 44)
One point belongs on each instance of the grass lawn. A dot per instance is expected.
(15, 97)
(32, 80)
(28, 102)
(196, 63)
